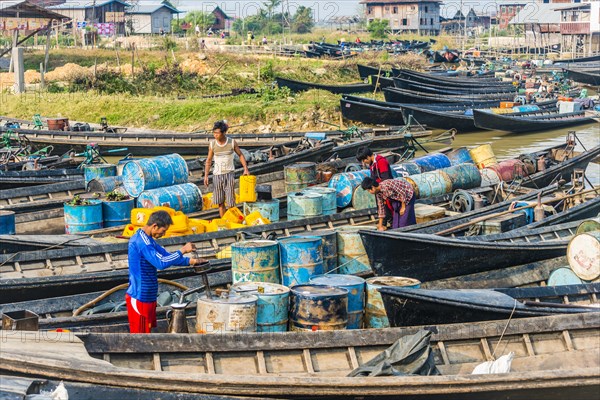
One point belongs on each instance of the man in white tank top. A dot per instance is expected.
(222, 149)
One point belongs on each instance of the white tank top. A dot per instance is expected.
(223, 156)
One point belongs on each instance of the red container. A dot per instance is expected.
(507, 170)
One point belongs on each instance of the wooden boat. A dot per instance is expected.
(587, 76)
(449, 81)
(408, 307)
(298, 86)
(562, 363)
(396, 95)
(14, 179)
(440, 88)
(365, 71)
(578, 60)
(485, 119)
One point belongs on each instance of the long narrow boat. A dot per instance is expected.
(396, 95)
(487, 120)
(582, 75)
(408, 307)
(449, 81)
(298, 86)
(365, 71)
(443, 89)
(554, 358)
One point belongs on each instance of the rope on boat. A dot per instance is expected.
(505, 328)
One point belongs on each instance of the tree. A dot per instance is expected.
(378, 28)
(303, 21)
(203, 19)
(271, 5)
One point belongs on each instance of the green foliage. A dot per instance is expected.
(378, 28)
(269, 93)
(78, 201)
(303, 21)
(203, 19)
(168, 43)
(267, 72)
(117, 196)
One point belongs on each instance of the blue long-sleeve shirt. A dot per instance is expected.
(146, 257)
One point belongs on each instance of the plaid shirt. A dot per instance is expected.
(393, 189)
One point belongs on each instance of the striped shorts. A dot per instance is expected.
(224, 189)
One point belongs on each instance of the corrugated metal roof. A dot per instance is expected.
(149, 8)
(80, 4)
(537, 13)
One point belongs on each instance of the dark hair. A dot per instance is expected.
(362, 153)
(368, 183)
(162, 219)
(221, 125)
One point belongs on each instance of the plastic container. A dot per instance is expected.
(255, 218)
(247, 188)
(234, 215)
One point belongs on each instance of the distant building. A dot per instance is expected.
(473, 22)
(507, 10)
(580, 28)
(24, 16)
(151, 17)
(222, 20)
(108, 12)
(409, 16)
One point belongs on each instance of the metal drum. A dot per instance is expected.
(483, 156)
(104, 185)
(7, 222)
(563, 276)
(464, 176)
(352, 256)
(432, 162)
(151, 173)
(255, 261)
(269, 209)
(300, 175)
(460, 156)
(330, 255)
(185, 198)
(344, 185)
(406, 169)
(94, 171)
(526, 108)
(329, 198)
(362, 199)
(233, 314)
(489, 177)
(590, 225)
(272, 306)
(83, 218)
(508, 170)
(430, 184)
(355, 286)
(117, 213)
(375, 315)
(583, 254)
(304, 205)
(300, 258)
(318, 307)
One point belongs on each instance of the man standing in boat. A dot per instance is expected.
(400, 195)
(145, 258)
(222, 149)
(380, 171)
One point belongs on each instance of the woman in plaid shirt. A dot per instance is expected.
(400, 196)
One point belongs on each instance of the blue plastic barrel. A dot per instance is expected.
(304, 205)
(185, 198)
(460, 156)
(268, 209)
(7, 222)
(117, 213)
(356, 294)
(329, 198)
(83, 218)
(94, 171)
(463, 176)
(526, 108)
(151, 173)
(406, 169)
(344, 185)
(318, 307)
(352, 256)
(430, 184)
(272, 307)
(431, 162)
(375, 315)
(330, 253)
(255, 261)
(300, 258)
(105, 184)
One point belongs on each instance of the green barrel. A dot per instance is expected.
(304, 205)
(362, 199)
(464, 176)
(300, 175)
(352, 256)
(329, 198)
(430, 184)
(267, 208)
(375, 315)
(255, 261)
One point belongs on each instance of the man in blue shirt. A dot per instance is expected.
(145, 258)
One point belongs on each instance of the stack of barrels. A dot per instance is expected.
(493, 172)
(304, 199)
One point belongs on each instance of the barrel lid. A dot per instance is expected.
(583, 254)
(590, 225)
(300, 239)
(254, 243)
(235, 299)
(318, 290)
(321, 233)
(346, 229)
(104, 165)
(392, 281)
(563, 276)
(337, 280)
(306, 194)
(255, 288)
(320, 189)
(6, 212)
(302, 164)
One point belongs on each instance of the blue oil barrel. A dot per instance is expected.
(352, 256)
(304, 205)
(318, 307)
(185, 198)
(83, 218)
(431, 162)
(344, 185)
(329, 198)
(273, 304)
(526, 108)
(355, 286)
(463, 176)
(151, 173)
(105, 184)
(7, 222)
(375, 315)
(255, 261)
(406, 169)
(329, 248)
(300, 175)
(268, 209)
(300, 258)
(362, 199)
(94, 171)
(460, 156)
(430, 184)
(117, 213)
(529, 212)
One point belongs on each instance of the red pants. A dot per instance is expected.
(141, 315)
